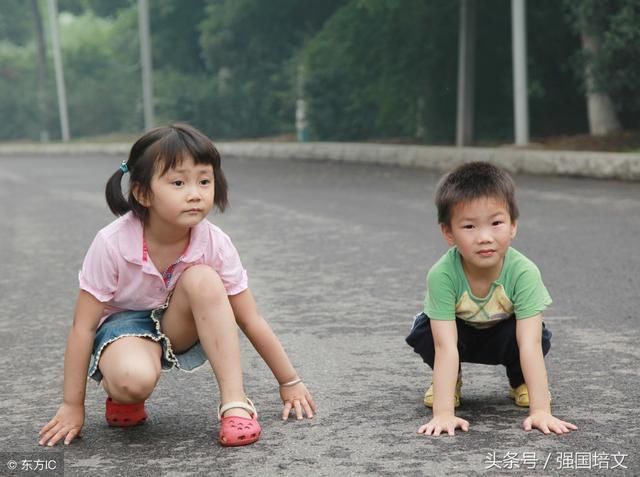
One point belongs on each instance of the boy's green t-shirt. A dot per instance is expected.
(518, 291)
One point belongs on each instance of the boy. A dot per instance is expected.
(484, 302)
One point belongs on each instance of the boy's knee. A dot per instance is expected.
(421, 339)
(546, 340)
(201, 280)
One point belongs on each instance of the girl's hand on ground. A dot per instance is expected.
(440, 424)
(66, 424)
(297, 398)
(547, 423)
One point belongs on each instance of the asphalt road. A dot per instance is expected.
(337, 257)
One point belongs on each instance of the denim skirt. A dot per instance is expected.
(144, 324)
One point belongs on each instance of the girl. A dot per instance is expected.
(162, 287)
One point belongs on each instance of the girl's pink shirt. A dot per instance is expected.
(116, 271)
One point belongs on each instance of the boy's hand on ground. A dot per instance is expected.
(66, 424)
(298, 399)
(441, 424)
(547, 423)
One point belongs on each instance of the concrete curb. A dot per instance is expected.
(599, 165)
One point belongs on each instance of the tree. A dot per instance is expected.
(248, 46)
(41, 68)
(382, 68)
(102, 73)
(373, 69)
(387, 68)
(100, 8)
(15, 23)
(557, 104)
(602, 24)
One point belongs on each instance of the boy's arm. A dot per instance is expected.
(445, 366)
(445, 375)
(266, 343)
(529, 338)
(69, 419)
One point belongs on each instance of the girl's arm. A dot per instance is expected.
(529, 338)
(69, 419)
(292, 390)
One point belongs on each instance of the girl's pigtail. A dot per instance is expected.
(115, 199)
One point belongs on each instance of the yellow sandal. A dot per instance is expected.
(457, 396)
(521, 395)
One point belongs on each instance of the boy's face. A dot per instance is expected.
(482, 231)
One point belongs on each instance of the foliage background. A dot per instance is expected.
(371, 69)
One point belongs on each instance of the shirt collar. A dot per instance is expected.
(131, 241)
(197, 242)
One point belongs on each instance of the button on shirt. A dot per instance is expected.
(117, 272)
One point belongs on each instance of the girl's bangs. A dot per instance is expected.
(171, 150)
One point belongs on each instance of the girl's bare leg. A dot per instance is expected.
(200, 309)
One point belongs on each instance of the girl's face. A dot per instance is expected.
(183, 196)
(482, 231)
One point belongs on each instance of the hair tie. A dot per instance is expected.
(123, 167)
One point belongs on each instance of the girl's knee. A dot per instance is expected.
(131, 368)
(202, 280)
(131, 383)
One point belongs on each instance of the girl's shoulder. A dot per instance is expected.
(211, 232)
(209, 240)
(211, 227)
(125, 224)
(121, 237)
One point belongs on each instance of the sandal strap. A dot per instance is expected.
(247, 406)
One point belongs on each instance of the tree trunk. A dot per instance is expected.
(466, 73)
(603, 118)
(41, 68)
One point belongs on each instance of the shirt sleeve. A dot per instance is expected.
(531, 296)
(229, 267)
(440, 298)
(99, 273)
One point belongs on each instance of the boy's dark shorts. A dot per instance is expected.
(494, 345)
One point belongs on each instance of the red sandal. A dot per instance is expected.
(124, 415)
(236, 430)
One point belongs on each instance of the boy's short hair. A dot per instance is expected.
(474, 180)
